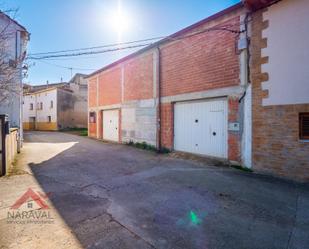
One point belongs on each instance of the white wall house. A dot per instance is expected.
(13, 42)
(40, 110)
(48, 109)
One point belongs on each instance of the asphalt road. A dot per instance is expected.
(104, 195)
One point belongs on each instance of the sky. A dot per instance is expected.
(71, 24)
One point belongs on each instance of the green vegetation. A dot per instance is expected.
(145, 146)
(76, 131)
(242, 168)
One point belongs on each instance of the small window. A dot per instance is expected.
(41, 106)
(31, 106)
(92, 117)
(304, 125)
(51, 104)
(49, 119)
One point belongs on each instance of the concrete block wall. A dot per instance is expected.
(139, 121)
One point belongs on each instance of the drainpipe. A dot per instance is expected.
(158, 97)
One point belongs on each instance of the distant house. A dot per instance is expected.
(13, 42)
(47, 109)
(56, 106)
(78, 84)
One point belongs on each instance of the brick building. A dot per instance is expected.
(279, 76)
(185, 92)
(233, 85)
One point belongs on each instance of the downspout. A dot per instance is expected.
(158, 98)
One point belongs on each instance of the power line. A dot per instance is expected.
(86, 53)
(66, 67)
(96, 47)
(58, 54)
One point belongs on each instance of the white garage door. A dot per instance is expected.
(201, 127)
(110, 125)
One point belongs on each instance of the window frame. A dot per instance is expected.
(301, 131)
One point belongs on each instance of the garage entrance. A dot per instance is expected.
(200, 127)
(110, 125)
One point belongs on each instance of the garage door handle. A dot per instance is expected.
(214, 133)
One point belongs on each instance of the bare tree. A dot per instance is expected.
(10, 64)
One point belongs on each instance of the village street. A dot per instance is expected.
(103, 195)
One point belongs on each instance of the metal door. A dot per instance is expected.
(200, 127)
(110, 125)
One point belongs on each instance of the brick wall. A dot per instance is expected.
(92, 92)
(201, 62)
(233, 137)
(167, 125)
(197, 63)
(276, 147)
(110, 87)
(138, 78)
(92, 129)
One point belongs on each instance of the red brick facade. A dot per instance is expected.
(110, 87)
(234, 137)
(167, 125)
(200, 62)
(138, 75)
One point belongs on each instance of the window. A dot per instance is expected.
(92, 117)
(41, 106)
(31, 106)
(304, 125)
(49, 119)
(51, 104)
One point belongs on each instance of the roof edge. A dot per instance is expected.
(14, 21)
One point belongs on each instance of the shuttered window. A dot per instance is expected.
(304, 125)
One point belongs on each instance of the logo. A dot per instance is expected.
(31, 207)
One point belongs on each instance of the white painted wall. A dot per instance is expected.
(41, 115)
(287, 48)
(27, 113)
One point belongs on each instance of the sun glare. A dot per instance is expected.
(119, 21)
